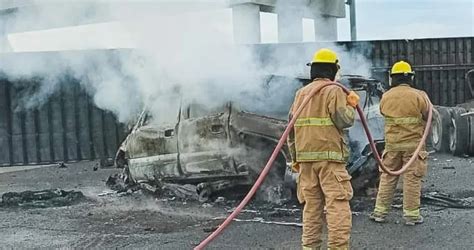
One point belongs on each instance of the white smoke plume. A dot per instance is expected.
(178, 55)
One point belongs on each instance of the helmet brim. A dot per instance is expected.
(405, 73)
(337, 64)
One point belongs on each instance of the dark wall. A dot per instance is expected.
(65, 127)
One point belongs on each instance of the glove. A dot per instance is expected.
(353, 99)
(295, 167)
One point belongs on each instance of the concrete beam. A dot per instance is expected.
(290, 26)
(5, 45)
(309, 8)
(272, 3)
(332, 8)
(246, 22)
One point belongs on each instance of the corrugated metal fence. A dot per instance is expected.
(440, 65)
(68, 127)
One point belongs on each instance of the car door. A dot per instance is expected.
(203, 141)
(152, 150)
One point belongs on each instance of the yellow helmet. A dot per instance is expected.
(325, 56)
(402, 67)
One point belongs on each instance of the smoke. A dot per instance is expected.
(179, 56)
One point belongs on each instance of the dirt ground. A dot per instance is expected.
(138, 220)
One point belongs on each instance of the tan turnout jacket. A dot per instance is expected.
(405, 110)
(317, 134)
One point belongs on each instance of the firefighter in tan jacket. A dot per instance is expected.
(405, 110)
(319, 153)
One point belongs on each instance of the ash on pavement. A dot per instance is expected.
(136, 220)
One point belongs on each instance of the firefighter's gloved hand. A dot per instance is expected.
(353, 99)
(295, 167)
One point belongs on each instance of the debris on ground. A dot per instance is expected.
(120, 183)
(209, 229)
(62, 165)
(183, 192)
(207, 205)
(42, 199)
(437, 199)
(166, 191)
(107, 193)
(220, 200)
(449, 168)
(277, 194)
(261, 220)
(445, 200)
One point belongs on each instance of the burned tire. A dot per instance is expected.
(367, 178)
(440, 129)
(436, 131)
(471, 135)
(459, 133)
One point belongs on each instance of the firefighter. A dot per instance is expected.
(319, 153)
(405, 110)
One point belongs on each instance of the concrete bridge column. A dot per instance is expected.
(290, 26)
(246, 19)
(325, 28)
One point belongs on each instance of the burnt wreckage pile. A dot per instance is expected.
(41, 199)
(223, 149)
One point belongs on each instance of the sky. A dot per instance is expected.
(395, 19)
(376, 20)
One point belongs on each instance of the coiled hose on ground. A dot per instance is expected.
(282, 141)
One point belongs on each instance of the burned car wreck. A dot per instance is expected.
(225, 148)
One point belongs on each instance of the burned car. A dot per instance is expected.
(226, 147)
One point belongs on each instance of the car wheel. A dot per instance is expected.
(459, 133)
(440, 129)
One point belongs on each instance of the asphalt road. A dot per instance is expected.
(141, 221)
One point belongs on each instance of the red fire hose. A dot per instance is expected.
(282, 141)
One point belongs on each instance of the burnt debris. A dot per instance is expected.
(42, 199)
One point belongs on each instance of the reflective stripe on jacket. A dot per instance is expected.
(405, 110)
(317, 134)
(313, 121)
